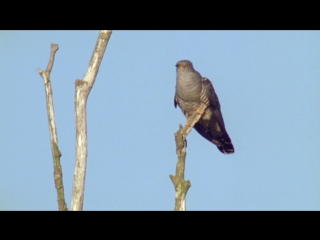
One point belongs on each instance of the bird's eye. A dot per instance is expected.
(187, 65)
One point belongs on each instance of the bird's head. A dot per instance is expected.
(184, 65)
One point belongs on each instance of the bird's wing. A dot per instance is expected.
(214, 103)
(211, 125)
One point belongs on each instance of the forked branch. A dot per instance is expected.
(56, 154)
(83, 88)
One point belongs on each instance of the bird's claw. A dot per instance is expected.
(199, 112)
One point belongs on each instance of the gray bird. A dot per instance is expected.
(191, 90)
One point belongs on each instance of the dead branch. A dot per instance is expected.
(83, 88)
(181, 186)
(56, 154)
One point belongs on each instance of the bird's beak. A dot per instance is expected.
(179, 66)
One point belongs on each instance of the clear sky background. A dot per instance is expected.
(268, 83)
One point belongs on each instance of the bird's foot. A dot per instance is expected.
(199, 112)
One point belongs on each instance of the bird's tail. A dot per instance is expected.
(224, 144)
(222, 141)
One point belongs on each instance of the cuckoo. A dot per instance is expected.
(191, 90)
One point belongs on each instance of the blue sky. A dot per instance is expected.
(268, 84)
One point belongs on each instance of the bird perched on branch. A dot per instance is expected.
(191, 90)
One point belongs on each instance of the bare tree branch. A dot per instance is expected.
(181, 186)
(82, 92)
(56, 154)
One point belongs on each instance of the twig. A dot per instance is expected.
(82, 92)
(56, 154)
(181, 186)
